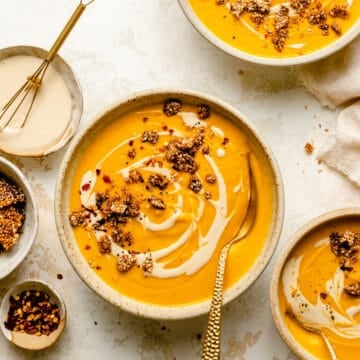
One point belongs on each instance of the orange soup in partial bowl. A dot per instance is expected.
(150, 193)
(316, 285)
(276, 32)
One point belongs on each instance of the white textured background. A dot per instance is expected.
(122, 46)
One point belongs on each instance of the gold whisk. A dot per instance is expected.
(34, 81)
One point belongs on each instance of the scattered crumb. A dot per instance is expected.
(309, 148)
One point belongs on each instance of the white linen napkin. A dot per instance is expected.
(335, 81)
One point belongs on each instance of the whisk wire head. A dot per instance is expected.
(31, 85)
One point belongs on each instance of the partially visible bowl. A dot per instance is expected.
(92, 267)
(10, 259)
(316, 279)
(221, 23)
(56, 112)
(23, 339)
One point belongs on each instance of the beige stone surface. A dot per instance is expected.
(119, 47)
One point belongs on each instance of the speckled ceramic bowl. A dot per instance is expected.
(308, 228)
(65, 231)
(10, 259)
(27, 341)
(75, 92)
(286, 61)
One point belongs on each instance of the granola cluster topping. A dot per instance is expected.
(126, 262)
(148, 265)
(195, 184)
(353, 289)
(156, 203)
(150, 136)
(181, 152)
(203, 112)
(282, 22)
(159, 181)
(12, 213)
(346, 247)
(172, 107)
(33, 313)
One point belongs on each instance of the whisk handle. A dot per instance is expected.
(66, 31)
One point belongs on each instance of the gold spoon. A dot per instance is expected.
(211, 345)
(316, 330)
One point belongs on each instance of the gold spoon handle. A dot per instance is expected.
(67, 29)
(211, 346)
(329, 346)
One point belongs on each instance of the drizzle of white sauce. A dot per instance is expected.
(220, 152)
(276, 8)
(296, 46)
(321, 243)
(252, 29)
(217, 131)
(191, 119)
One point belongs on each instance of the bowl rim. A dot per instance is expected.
(70, 79)
(333, 47)
(305, 229)
(168, 312)
(22, 181)
(31, 284)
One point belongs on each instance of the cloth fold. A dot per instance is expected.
(335, 81)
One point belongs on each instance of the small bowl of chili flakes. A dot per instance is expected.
(32, 315)
(18, 217)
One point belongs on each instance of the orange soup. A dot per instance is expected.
(320, 286)
(278, 28)
(156, 195)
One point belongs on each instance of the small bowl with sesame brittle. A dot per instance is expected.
(18, 217)
(277, 32)
(32, 315)
(152, 189)
(315, 287)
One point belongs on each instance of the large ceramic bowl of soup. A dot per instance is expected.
(315, 287)
(150, 191)
(276, 32)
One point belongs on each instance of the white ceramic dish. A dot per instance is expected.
(58, 140)
(27, 341)
(63, 185)
(330, 217)
(317, 55)
(9, 260)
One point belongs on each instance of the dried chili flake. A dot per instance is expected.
(85, 187)
(106, 179)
